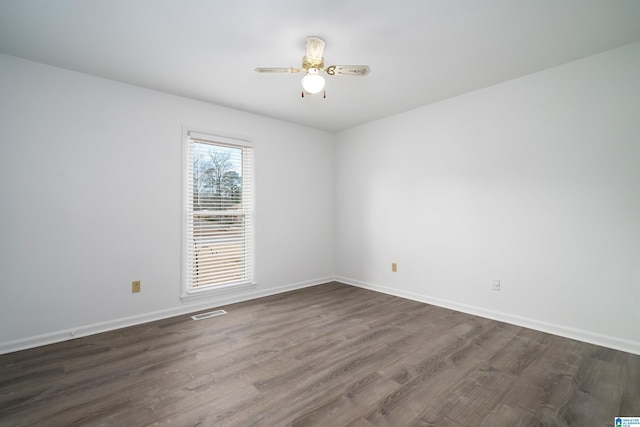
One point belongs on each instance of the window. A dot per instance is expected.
(218, 213)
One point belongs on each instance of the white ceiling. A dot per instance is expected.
(419, 51)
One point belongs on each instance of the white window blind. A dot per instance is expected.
(218, 246)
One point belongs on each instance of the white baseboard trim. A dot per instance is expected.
(551, 328)
(184, 308)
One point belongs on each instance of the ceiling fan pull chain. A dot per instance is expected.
(303, 94)
(324, 94)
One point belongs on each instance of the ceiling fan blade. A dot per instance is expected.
(278, 70)
(315, 49)
(349, 70)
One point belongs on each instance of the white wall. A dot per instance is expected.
(535, 181)
(90, 199)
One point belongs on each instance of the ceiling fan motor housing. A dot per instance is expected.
(312, 63)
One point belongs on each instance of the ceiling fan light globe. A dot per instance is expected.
(312, 82)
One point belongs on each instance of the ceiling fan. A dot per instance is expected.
(313, 64)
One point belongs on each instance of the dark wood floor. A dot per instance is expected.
(330, 355)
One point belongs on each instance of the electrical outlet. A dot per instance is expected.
(495, 285)
(135, 286)
(394, 267)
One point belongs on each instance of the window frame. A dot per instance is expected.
(189, 133)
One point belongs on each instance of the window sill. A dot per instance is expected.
(217, 290)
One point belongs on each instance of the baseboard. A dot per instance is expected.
(185, 308)
(551, 328)
(555, 329)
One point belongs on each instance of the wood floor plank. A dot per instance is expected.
(436, 375)
(329, 355)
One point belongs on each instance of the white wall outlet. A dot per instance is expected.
(495, 285)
